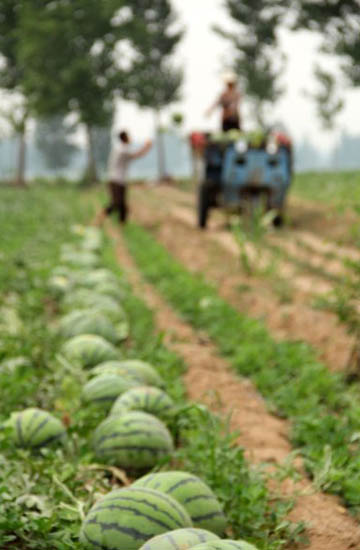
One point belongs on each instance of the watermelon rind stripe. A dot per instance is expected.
(130, 434)
(49, 440)
(161, 496)
(181, 483)
(39, 427)
(138, 448)
(205, 517)
(200, 497)
(139, 514)
(130, 531)
(19, 430)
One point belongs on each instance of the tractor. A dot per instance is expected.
(244, 173)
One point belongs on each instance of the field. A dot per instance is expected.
(254, 332)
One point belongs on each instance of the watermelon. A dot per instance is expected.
(134, 440)
(86, 321)
(179, 539)
(78, 258)
(196, 497)
(144, 398)
(225, 545)
(135, 369)
(97, 277)
(86, 298)
(89, 350)
(104, 389)
(35, 428)
(126, 518)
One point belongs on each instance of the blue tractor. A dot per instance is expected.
(241, 176)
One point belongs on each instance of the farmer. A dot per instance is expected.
(120, 158)
(229, 102)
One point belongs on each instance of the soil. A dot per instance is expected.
(210, 380)
(283, 301)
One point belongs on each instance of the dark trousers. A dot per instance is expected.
(231, 123)
(118, 194)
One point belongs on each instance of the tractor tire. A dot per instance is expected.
(203, 206)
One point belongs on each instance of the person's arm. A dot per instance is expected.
(141, 152)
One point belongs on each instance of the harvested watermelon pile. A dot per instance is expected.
(99, 448)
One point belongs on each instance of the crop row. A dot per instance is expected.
(45, 495)
(323, 408)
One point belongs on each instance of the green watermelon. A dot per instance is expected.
(82, 298)
(198, 499)
(225, 545)
(135, 368)
(78, 258)
(97, 277)
(179, 539)
(89, 350)
(104, 389)
(35, 428)
(85, 321)
(144, 398)
(126, 518)
(134, 440)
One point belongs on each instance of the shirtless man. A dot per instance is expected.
(229, 101)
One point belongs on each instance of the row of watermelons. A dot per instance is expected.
(161, 511)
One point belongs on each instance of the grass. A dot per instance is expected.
(337, 188)
(323, 408)
(44, 496)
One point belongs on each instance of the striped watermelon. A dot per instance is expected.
(144, 398)
(98, 277)
(126, 518)
(35, 428)
(144, 372)
(225, 545)
(79, 258)
(87, 298)
(89, 350)
(179, 539)
(104, 389)
(198, 499)
(135, 440)
(85, 321)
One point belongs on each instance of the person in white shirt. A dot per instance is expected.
(119, 161)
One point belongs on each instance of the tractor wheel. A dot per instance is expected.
(203, 205)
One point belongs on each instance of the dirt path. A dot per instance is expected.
(286, 311)
(302, 246)
(210, 380)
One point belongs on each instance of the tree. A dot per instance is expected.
(256, 51)
(71, 67)
(53, 139)
(339, 24)
(153, 81)
(11, 78)
(327, 101)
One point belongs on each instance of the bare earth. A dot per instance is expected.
(210, 380)
(215, 253)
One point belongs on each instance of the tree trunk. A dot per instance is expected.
(91, 170)
(21, 162)
(161, 165)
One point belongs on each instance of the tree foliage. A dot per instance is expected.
(326, 98)
(339, 23)
(256, 50)
(153, 82)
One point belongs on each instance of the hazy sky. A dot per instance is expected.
(204, 56)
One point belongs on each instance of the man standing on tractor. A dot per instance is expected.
(120, 158)
(229, 101)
